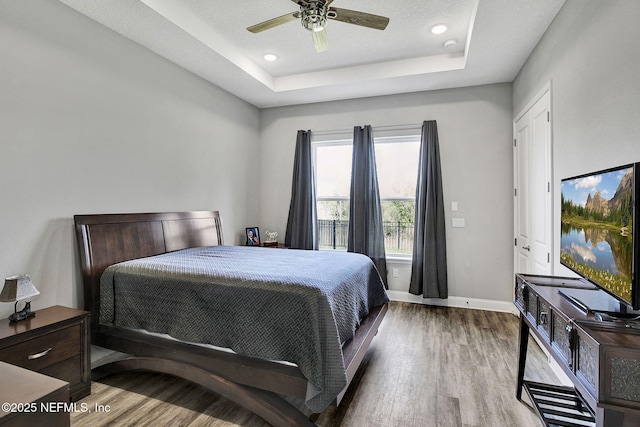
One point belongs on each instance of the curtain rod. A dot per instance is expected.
(374, 128)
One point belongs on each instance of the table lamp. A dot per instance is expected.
(17, 288)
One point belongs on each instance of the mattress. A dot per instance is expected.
(290, 305)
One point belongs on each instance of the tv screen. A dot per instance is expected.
(598, 239)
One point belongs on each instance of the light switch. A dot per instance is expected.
(457, 222)
(454, 206)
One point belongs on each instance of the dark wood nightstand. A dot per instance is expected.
(55, 342)
(32, 399)
(273, 245)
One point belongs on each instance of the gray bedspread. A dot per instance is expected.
(290, 305)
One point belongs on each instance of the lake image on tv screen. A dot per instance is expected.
(597, 229)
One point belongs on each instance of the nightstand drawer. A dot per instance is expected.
(69, 370)
(38, 353)
(57, 339)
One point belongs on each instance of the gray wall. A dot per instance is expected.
(474, 126)
(92, 123)
(591, 56)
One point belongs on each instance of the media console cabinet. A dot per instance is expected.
(602, 358)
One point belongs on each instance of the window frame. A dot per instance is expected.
(336, 139)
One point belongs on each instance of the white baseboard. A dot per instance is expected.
(459, 302)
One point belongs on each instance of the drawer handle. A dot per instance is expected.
(544, 317)
(39, 355)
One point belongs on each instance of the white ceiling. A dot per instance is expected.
(209, 38)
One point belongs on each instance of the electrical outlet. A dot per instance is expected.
(394, 272)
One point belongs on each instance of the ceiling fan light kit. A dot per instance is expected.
(313, 16)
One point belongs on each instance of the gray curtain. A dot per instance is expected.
(302, 226)
(366, 235)
(429, 265)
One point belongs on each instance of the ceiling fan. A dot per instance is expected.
(313, 15)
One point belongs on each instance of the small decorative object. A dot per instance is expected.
(17, 288)
(253, 236)
(272, 239)
(272, 236)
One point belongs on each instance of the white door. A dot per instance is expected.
(522, 154)
(533, 208)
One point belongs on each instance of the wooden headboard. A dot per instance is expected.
(107, 239)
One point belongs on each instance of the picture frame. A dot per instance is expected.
(252, 235)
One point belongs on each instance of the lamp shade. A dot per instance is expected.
(18, 288)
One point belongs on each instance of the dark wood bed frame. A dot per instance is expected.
(250, 382)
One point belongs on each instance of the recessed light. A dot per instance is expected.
(450, 43)
(438, 29)
(270, 57)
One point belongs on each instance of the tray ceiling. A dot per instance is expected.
(209, 38)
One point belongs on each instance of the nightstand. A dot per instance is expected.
(273, 245)
(55, 342)
(32, 399)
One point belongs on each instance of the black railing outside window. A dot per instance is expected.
(398, 235)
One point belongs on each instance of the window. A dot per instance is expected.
(397, 167)
(332, 163)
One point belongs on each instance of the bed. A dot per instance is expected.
(259, 376)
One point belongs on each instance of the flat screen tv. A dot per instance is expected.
(599, 230)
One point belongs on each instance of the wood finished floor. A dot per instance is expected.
(428, 367)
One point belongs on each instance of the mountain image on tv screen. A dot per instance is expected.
(597, 229)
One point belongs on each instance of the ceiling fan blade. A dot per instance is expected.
(273, 22)
(320, 40)
(358, 18)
